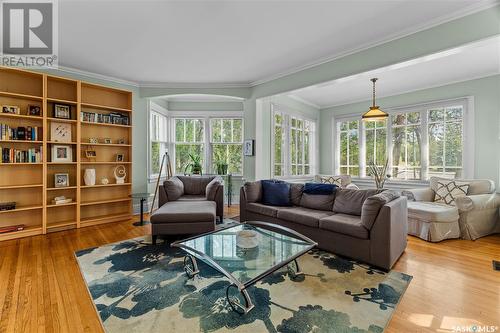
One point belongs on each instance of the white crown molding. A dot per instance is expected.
(187, 85)
(474, 77)
(93, 75)
(302, 100)
(474, 8)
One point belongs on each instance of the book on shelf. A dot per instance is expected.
(111, 118)
(61, 200)
(12, 228)
(29, 133)
(31, 155)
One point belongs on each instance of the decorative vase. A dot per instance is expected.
(120, 174)
(89, 177)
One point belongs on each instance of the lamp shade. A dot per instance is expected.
(374, 114)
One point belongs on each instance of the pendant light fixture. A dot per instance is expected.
(374, 113)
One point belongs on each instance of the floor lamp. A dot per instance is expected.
(165, 158)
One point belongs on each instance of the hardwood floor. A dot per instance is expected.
(41, 289)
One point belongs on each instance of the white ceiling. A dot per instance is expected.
(463, 63)
(231, 41)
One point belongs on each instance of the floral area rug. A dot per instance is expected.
(137, 287)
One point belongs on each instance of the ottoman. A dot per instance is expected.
(432, 221)
(183, 217)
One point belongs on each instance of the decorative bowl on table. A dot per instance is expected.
(247, 239)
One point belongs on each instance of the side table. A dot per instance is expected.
(143, 197)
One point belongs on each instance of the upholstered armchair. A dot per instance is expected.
(193, 189)
(470, 217)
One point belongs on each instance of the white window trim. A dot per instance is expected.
(276, 108)
(206, 116)
(468, 155)
(153, 107)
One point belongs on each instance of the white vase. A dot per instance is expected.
(89, 177)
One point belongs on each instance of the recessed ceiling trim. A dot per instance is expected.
(182, 85)
(302, 100)
(475, 77)
(93, 75)
(474, 8)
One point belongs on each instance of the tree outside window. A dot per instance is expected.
(227, 143)
(189, 139)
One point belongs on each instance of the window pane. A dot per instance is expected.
(278, 170)
(413, 140)
(454, 113)
(235, 159)
(216, 131)
(306, 149)
(189, 130)
(436, 145)
(413, 118)
(381, 146)
(353, 124)
(398, 152)
(199, 130)
(238, 130)
(370, 145)
(353, 148)
(278, 143)
(399, 119)
(436, 115)
(343, 148)
(226, 131)
(453, 144)
(155, 157)
(182, 159)
(179, 130)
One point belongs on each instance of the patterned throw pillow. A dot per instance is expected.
(448, 191)
(332, 180)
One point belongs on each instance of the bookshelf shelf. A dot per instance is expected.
(105, 124)
(32, 185)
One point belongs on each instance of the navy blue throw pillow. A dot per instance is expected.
(319, 188)
(275, 193)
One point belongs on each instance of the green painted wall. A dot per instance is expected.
(205, 106)
(486, 93)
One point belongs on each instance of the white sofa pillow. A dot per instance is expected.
(448, 190)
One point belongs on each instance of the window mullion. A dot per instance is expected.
(424, 150)
(362, 149)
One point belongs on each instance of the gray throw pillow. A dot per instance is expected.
(174, 188)
(211, 190)
(372, 205)
(253, 191)
(296, 193)
(350, 201)
(317, 201)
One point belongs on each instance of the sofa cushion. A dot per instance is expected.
(448, 190)
(373, 204)
(253, 191)
(476, 186)
(317, 188)
(296, 193)
(317, 201)
(195, 184)
(262, 209)
(192, 197)
(335, 180)
(432, 212)
(344, 224)
(275, 193)
(304, 216)
(211, 189)
(174, 188)
(350, 201)
(185, 212)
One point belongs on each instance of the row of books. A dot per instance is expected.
(112, 118)
(11, 155)
(19, 133)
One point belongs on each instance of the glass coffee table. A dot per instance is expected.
(245, 253)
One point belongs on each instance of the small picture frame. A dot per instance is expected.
(62, 111)
(34, 110)
(120, 158)
(121, 141)
(107, 141)
(62, 153)
(10, 109)
(61, 180)
(93, 140)
(91, 154)
(60, 132)
(248, 148)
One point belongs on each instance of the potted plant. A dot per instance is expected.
(379, 173)
(221, 167)
(195, 165)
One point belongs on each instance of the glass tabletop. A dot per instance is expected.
(249, 256)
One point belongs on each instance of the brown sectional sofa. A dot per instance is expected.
(361, 224)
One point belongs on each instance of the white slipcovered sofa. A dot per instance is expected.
(471, 217)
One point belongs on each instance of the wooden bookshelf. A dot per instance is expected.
(32, 185)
